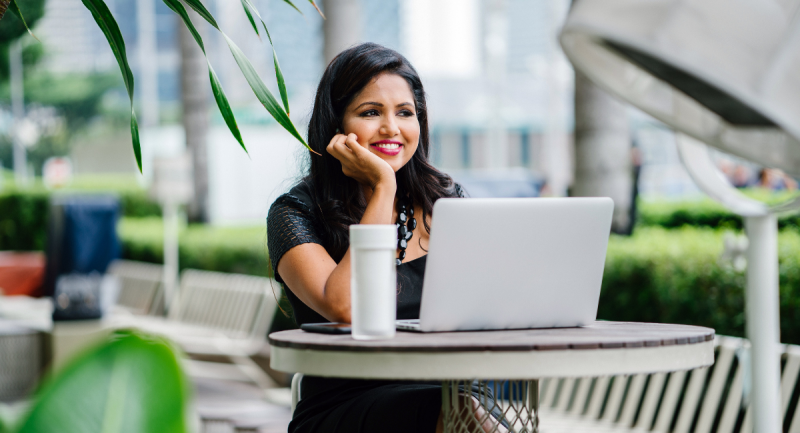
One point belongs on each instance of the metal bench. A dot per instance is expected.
(704, 400)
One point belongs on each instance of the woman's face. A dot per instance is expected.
(384, 119)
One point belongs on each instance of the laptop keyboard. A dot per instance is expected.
(408, 325)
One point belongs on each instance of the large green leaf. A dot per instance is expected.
(7, 417)
(216, 86)
(132, 383)
(111, 31)
(15, 8)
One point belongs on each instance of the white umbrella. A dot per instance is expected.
(724, 72)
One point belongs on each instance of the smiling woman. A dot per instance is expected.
(383, 118)
(370, 125)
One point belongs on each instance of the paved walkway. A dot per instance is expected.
(237, 407)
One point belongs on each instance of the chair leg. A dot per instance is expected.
(253, 371)
(297, 379)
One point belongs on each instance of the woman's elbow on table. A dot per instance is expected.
(336, 310)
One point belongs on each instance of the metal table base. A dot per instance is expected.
(517, 402)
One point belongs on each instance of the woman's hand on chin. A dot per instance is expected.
(361, 164)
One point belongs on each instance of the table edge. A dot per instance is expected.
(508, 348)
(492, 365)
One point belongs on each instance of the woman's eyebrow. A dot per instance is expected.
(378, 104)
(369, 103)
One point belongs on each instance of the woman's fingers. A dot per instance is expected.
(351, 141)
(357, 161)
(338, 149)
(362, 153)
(337, 139)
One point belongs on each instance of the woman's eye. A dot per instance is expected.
(369, 113)
(406, 113)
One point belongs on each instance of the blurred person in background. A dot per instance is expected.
(742, 177)
(775, 180)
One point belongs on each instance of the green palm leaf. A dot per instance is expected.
(216, 86)
(15, 8)
(198, 7)
(289, 2)
(111, 31)
(315, 7)
(250, 18)
(247, 4)
(260, 89)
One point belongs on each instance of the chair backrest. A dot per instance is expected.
(140, 286)
(241, 306)
(703, 400)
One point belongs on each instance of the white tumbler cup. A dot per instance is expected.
(373, 280)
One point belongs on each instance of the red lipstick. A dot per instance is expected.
(387, 147)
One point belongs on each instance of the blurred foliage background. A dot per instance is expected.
(671, 270)
(63, 106)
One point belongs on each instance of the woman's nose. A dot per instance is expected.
(389, 127)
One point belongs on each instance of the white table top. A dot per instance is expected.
(604, 348)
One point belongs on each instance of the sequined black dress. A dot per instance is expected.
(349, 405)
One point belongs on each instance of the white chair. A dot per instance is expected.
(701, 401)
(297, 380)
(218, 314)
(140, 286)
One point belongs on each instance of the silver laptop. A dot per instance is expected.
(513, 263)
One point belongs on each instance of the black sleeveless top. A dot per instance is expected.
(291, 223)
(350, 405)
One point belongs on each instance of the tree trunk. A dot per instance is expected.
(342, 26)
(18, 111)
(194, 102)
(603, 150)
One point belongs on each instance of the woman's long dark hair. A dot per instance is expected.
(339, 199)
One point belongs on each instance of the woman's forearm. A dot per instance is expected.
(380, 206)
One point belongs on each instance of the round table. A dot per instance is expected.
(518, 358)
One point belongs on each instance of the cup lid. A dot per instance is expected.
(373, 236)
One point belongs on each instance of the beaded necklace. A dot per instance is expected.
(406, 223)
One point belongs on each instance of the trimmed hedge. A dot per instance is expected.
(133, 198)
(23, 212)
(23, 219)
(676, 276)
(705, 212)
(701, 213)
(222, 249)
(656, 275)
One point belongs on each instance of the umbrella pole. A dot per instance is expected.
(762, 321)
